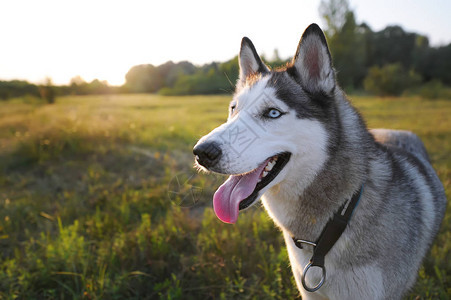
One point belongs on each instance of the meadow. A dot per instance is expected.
(99, 200)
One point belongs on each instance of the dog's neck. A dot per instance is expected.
(303, 206)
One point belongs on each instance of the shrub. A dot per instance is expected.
(390, 80)
(434, 89)
(17, 88)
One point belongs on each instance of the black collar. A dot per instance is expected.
(329, 236)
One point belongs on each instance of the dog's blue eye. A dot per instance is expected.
(273, 113)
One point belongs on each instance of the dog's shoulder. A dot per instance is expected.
(401, 139)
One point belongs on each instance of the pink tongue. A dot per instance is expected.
(227, 198)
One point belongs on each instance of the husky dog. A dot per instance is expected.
(294, 140)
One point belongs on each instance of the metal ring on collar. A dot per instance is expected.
(321, 282)
(299, 242)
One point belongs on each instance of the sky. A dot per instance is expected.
(103, 39)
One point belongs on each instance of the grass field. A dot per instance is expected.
(99, 200)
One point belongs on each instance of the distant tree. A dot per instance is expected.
(143, 79)
(420, 52)
(78, 86)
(435, 63)
(98, 87)
(229, 72)
(334, 13)
(150, 79)
(348, 42)
(47, 91)
(180, 69)
(276, 56)
(77, 80)
(212, 78)
(392, 45)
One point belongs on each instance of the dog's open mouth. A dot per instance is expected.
(241, 191)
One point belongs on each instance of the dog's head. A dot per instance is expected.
(276, 125)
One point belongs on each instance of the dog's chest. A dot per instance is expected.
(279, 210)
(281, 205)
(290, 214)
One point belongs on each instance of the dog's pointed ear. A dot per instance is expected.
(312, 62)
(250, 62)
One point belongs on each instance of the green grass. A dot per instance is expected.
(99, 200)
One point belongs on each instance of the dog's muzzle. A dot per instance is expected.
(207, 154)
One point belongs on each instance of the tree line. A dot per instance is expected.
(385, 62)
(48, 91)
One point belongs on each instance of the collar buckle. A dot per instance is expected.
(299, 242)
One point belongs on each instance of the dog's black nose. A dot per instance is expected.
(207, 153)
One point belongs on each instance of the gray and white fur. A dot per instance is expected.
(332, 155)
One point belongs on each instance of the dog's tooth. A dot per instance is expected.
(269, 167)
(265, 173)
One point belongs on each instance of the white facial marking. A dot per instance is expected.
(248, 139)
(308, 158)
